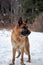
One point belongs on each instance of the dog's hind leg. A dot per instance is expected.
(13, 56)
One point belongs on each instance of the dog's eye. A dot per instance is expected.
(24, 27)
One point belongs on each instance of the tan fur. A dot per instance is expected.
(19, 43)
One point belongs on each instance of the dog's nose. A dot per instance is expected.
(28, 32)
(25, 32)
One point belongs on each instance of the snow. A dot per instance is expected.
(36, 48)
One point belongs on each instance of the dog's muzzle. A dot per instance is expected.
(25, 32)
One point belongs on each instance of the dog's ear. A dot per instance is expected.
(20, 22)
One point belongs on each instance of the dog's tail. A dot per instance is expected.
(19, 53)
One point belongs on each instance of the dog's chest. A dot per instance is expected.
(18, 42)
(19, 45)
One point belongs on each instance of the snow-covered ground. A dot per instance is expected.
(36, 48)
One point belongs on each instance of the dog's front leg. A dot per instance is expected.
(28, 50)
(27, 47)
(13, 56)
(22, 53)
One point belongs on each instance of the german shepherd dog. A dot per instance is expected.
(20, 42)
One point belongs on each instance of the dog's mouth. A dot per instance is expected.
(25, 32)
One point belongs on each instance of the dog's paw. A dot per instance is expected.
(23, 64)
(11, 64)
(28, 61)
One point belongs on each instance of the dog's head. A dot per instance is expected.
(23, 27)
